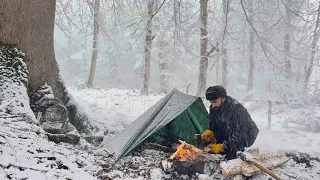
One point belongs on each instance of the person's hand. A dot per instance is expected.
(207, 136)
(215, 148)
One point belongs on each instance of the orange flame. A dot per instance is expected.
(187, 152)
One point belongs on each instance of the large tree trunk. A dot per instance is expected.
(95, 43)
(30, 26)
(176, 14)
(202, 80)
(161, 47)
(251, 53)
(287, 40)
(163, 66)
(313, 51)
(217, 72)
(147, 51)
(224, 48)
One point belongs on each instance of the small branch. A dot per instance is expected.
(15, 153)
(187, 88)
(20, 166)
(160, 147)
(213, 49)
(257, 34)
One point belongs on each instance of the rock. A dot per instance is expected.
(167, 166)
(55, 120)
(203, 177)
(45, 103)
(156, 173)
(57, 128)
(237, 177)
(70, 137)
(94, 140)
(56, 113)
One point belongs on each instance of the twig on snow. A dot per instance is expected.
(15, 153)
(20, 166)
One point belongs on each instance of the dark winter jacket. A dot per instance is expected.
(233, 127)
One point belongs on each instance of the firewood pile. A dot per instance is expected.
(191, 160)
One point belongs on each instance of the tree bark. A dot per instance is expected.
(163, 67)
(224, 48)
(251, 53)
(313, 51)
(30, 26)
(147, 51)
(202, 80)
(94, 43)
(161, 47)
(176, 44)
(287, 41)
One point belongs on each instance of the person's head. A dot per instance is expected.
(216, 95)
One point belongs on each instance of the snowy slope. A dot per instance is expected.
(25, 153)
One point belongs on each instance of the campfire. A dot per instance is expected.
(190, 160)
(186, 152)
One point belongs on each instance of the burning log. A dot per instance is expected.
(186, 160)
(181, 146)
(186, 152)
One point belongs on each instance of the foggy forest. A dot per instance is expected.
(159, 89)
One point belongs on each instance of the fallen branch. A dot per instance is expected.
(160, 147)
(15, 153)
(20, 166)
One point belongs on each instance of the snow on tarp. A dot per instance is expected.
(158, 116)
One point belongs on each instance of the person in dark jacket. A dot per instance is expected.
(231, 128)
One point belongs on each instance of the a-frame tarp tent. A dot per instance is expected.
(176, 115)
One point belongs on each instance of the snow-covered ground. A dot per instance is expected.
(27, 154)
(113, 109)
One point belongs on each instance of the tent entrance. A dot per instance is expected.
(194, 120)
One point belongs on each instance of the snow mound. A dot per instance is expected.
(13, 81)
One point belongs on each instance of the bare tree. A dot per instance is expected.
(19, 25)
(251, 52)
(313, 50)
(161, 49)
(94, 43)
(176, 14)
(163, 66)
(226, 5)
(287, 40)
(148, 46)
(202, 80)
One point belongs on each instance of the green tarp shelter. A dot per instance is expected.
(177, 115)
